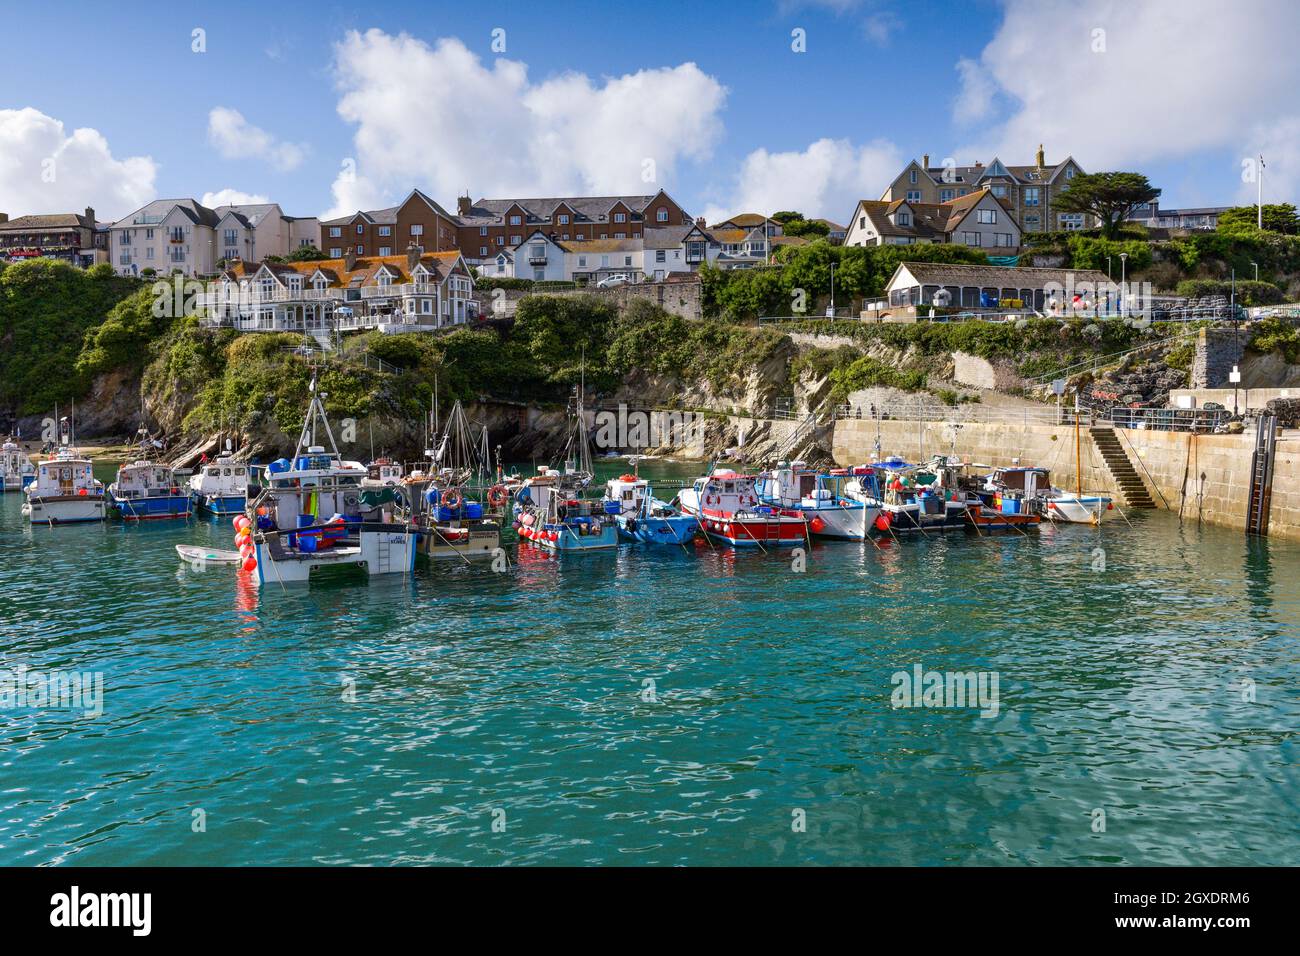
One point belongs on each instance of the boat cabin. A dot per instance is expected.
(145, 479)
(64, 476)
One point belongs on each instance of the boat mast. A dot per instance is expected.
(1078, 467)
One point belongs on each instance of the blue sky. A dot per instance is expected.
(752, 123)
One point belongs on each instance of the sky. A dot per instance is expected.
(753, 106)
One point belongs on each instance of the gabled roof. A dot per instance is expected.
(61, 220)
(542, 210)
(363, 272)
(930, 221)
(158, 210)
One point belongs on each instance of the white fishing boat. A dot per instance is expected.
(16, 468)
(822, 498)
(65, 490)
(220, 487)
(313, 514)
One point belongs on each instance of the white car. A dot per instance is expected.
(610, 281)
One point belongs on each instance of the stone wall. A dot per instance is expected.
(680, 298)
(1217, 351)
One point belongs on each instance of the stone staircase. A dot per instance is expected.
(1127, 480)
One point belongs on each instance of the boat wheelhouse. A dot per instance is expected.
(16, 468)
(730, 510)
(1030, 489)
(383, 472)
(220, 487)
(821, 497)
(312, 513)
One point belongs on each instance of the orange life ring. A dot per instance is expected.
(452, 499)
(497, 496)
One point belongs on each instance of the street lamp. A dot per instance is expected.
(832, 308)
(1123, 282)
(1108, 275)
(1256, 265)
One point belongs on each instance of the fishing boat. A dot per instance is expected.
(821, 498)
(640, 516)
(383, 472)
(145, 489)
(452, 524)
(1075, 506)
(16, 468)
(551, 509)
(65, 489)
(313, 514)
(910, 498)
(730, 511)
(220, 487)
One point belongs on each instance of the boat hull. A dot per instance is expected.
(680, 529)
(743, 531)
(69, 509)
(846, 523)
(220, 506)
(1088, 509)
(150, 509)
(909, 518)
(457, 543)
(562, 538)
(376, 551)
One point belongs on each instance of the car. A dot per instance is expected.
(616, 279)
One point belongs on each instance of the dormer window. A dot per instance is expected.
(903, 218)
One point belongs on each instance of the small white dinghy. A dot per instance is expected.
(196, 555)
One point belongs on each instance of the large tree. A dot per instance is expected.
(1281, 218)
(1108, 196)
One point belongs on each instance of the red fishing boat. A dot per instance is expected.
(728, 508)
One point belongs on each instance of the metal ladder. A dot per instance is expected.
(1261, 475)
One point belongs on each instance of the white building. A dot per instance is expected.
(181, 235)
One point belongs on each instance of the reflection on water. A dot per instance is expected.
(657, 706)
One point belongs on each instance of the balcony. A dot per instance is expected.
(537, 260)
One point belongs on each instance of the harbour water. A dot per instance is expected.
(655, 706)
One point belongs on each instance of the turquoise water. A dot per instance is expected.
(521, 699)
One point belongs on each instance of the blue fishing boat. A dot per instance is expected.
(822, 498)
(640, 516)
(220, 488)
(147, 489)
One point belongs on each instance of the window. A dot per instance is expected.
(986, 217)
(1031, 195)
(904, 218)
(361, 229)
(501, 240)
(619, 235)
(482, 230)
(1000, 192)
(661, 215)
(582, 262)
(914, 195)
(661, 255)
(515, 240)
(148, 234)
(1071, 221)
(482, 250)
(514, 220)
(148, 252)
(385, 230)
(229, 237)
(971, 238)
(564, 219)
(911, 176)
(539, 275)
(385, 250)
(335, 232)
(336, 253)
(862, 222)
(361, 250)
(417, 229)
(945, 195)
(1069, 172)
(620, 217)
(627, 260)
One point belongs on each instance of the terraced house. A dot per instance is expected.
(1028, 192)
(977, 219)
(416, 221)
(489, 227)
(419, 291)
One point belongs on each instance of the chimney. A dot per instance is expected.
(4, 217)
(925, 161)
(412, 257)
(463, 205)
(90, 215)
(350, 258)
(699, 221)
(1039, 157)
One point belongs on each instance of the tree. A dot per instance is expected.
(1278, 217)
(306, 254)
(1108, 196)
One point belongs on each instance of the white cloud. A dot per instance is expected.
(975, 96)
(45, 170)
(1120, 85)
(439, 118)
(231, 197)
(825, 180)
(236, 138)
